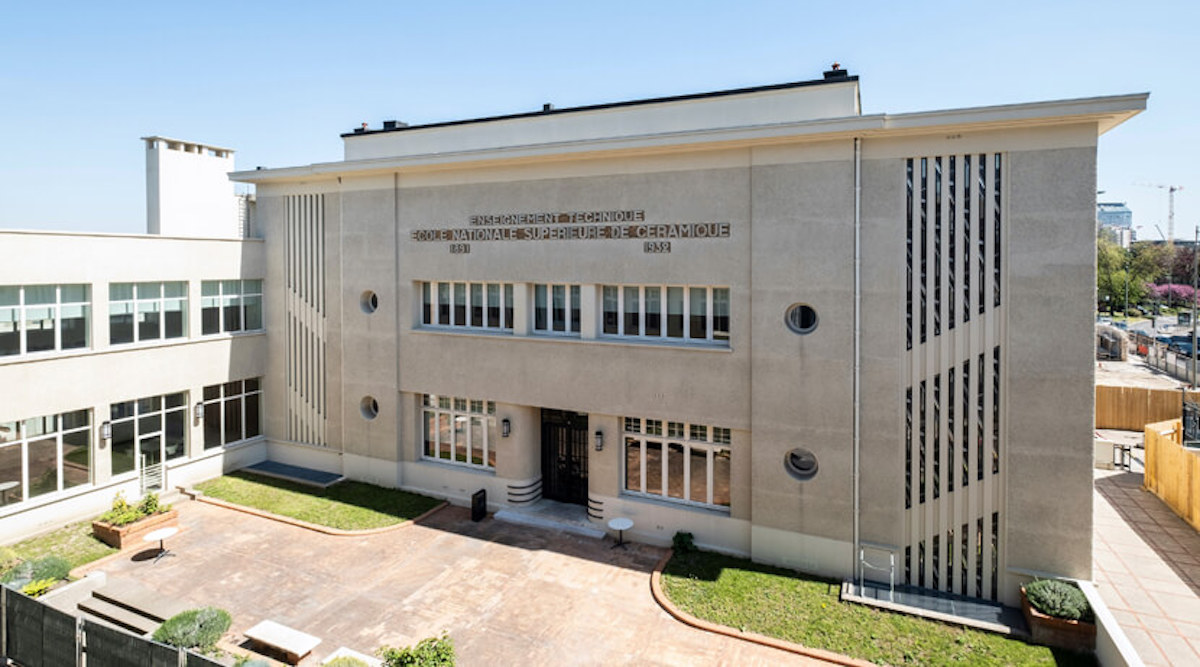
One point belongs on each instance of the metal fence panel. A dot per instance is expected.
(197, 660)
(58, 638)
(162, 655)
(109, 647)
(23, 624)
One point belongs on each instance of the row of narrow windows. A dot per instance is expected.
(931, 443)
(937, 567)
(939, 195)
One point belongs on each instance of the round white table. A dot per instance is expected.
(620, 524)
(159, 536)
(5, 487)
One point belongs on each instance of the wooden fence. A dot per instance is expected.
(1131, 408)
(1173, 471)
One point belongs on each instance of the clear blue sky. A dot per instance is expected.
(80, 82)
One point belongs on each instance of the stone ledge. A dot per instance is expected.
(338, 532)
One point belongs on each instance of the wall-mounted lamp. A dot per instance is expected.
(505, 427)
(198, 412)
(106, 431)
(599, 440)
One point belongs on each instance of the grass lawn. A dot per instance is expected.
(345, 505)
(805, 609)
(73, 542)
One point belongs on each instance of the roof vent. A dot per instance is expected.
(836, 72)
(393, 124)
(547, 107)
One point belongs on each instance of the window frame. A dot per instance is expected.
(572, 312)
(637, 430)
(223, 298)
(431, 310)
(455, 408)
(160, 301)
(137, 416)
(712, 336)
(220, 401)
(19, 439)
(21, 309)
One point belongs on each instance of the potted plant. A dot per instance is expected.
(1059, 615)
(125, 524)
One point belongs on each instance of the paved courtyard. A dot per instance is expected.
(1147, 568)
(507, 594)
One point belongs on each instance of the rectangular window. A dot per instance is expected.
(232, 412)
(696, 314)
(689, 466)
(464, 434)
(44, 455)
(632, 325)
(477, 306)
(148, 431)
(43, 318)
(556, 309)
(230, 306)
(146, 311)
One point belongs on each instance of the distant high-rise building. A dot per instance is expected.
(1114, 214)
(1117, 217)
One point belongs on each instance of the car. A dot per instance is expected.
(1181, 348)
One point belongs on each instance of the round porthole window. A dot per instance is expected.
(369, 302)
(801, 318)
(801, 464)
(369, 408)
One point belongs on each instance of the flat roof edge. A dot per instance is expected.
(123, 235)
(610, 105)
(1109, 111)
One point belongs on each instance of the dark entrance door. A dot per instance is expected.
(564, 456)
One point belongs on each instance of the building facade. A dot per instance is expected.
(799, 332)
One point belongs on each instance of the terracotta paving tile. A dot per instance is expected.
(507, 594)
(1147, 650)
(1177, 650)
(1187, 628)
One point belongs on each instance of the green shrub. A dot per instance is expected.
(346, 661)
(149, 504)
(8, 559)
(683, 542)
(429, 652)
(1059, 599)
(194, 628)
(38, 587)
(122, 513)
(47, 567)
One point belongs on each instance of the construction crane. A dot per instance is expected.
(1171, 190)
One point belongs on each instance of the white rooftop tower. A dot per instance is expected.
(188, 191)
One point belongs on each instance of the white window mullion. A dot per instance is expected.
(687, 469)
(642, 462)
(621, 323)
(663, 458)
(710, 459)
(642, 310)
(708, 313)
(687, 313)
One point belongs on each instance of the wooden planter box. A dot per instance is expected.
(1058, 632)
(123, 537)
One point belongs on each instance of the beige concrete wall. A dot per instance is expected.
(791, 210)
(802, 385)
(1051, 246)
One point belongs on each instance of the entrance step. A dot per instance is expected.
(137, 598)
(119, 616)
(554, 515)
